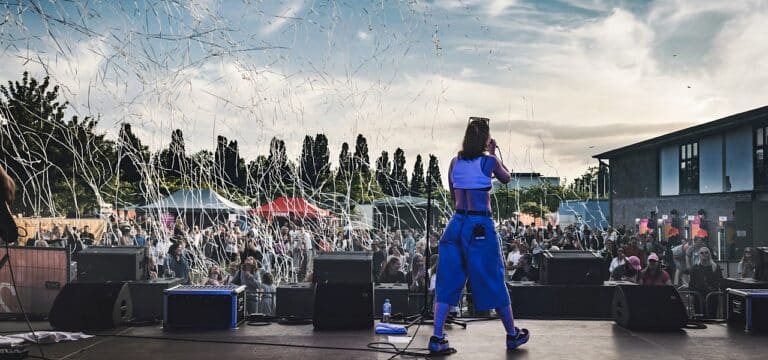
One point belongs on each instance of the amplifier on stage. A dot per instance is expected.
(343, 267)
(102, 263)
(748, 309)
(571, 267)
(204, 306)
(148, 297)
(397, 295)
(295, 301)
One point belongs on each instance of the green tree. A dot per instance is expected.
(279, 173)
(346, 165)
(418, 186)
(307, 167)
(383, 169)
(132, 155)
(60, 166)
(361, 161)
(399, 176)
(322, 162)
(433, 172)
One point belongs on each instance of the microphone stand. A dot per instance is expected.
(427, 315)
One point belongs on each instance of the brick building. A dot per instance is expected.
(719, 166)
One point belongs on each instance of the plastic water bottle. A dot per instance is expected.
(387, 311)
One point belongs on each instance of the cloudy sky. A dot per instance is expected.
(560, 80)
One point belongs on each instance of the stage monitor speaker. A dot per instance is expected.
(295, 301)
(343, 267)
(91, 306)
(571, 267)
(147, 297)
(397, 295)
(343, 306)
(126, 263)
(648, 308)
(760, 257)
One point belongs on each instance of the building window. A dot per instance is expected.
(689, 168)
(761, 165)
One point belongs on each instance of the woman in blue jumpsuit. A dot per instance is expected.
(469, 246)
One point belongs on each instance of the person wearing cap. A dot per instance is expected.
(653, 274)
(629, 271)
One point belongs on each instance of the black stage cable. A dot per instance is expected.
(405, 349)
(370, 348)
(18, 297)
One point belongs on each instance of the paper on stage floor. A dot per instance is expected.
(398, 339)
(44, 337)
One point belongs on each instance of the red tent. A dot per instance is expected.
(290, 208)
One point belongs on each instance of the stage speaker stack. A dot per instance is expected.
(648, 308)
(91, 306)
(125, 263)
(397, 295)
(204, 306)
(571, 267)
(344, 291)
(295, 301)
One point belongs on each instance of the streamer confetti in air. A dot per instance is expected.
(116, 105)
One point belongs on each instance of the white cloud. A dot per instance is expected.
(542, 94)
(291, 9)
(491, 8)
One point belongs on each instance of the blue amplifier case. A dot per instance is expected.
(204, 306)
(748, 309)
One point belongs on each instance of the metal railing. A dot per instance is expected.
(698, 308)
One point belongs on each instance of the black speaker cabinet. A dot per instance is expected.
(295, 301)
(91, 306)
(126, 263)
(147, 297)
(397, 295)
(648, 308)
(571, 267)
(343, 306)
(760, 257)
(343, 267)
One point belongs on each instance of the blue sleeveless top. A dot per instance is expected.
(469, 174)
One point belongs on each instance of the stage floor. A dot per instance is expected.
(551, 339)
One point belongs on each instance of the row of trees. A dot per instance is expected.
(64, 166)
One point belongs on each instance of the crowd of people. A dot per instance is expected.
(260, 255)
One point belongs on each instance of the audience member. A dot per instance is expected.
(416, 277)
(214, 276)
(176, 265)
(746, 268)
(524, 270)
(653, 274)
(706, 277)
(629, 271)
(250, 277)
(391, 272)
(267, 303)
(618, 261)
